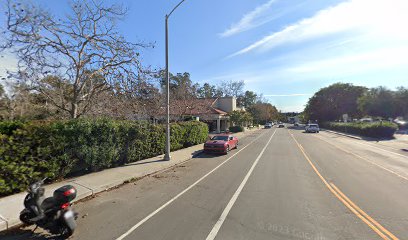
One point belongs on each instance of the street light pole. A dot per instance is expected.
(167, 150)
(167, 156)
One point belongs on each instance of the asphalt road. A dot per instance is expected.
(280, 184)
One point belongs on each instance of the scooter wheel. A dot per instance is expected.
(66, 231)
(25, 216)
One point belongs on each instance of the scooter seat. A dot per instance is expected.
(48, 203)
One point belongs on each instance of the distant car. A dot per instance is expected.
(222, 143)
(281, 125)
(296, 124)
(402, 125)
(366, 120)
(268, 125)
(312, 128)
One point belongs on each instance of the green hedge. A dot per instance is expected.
(59, 149)
(7, 127)
(375, 129)
(236, 129)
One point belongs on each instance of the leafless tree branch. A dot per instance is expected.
(85, 50)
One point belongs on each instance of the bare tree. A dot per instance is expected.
(84, 52)
(142, 100)
(23, 104)
(232, 88)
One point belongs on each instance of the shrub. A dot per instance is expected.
(58, 149)
(375, 130)
(97, 143)
(194, 133)
(236, 129)
(7, 127)
(177, 134)
(24, 157)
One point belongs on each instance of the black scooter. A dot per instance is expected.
(53, 213)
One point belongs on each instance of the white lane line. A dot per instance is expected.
(181, 193)
(227, 209)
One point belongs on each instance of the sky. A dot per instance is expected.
(284, 49)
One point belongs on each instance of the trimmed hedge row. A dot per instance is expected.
(236, 129)
(59, 149)
(375, 130)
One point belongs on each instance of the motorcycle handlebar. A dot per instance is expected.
(36, 184)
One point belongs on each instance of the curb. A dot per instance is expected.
(343, 134)
(359, 137)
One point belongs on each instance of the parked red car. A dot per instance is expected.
(222, 143)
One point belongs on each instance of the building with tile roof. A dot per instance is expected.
(213, 111)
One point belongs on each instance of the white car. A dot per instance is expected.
(312, 128)
(268, 125)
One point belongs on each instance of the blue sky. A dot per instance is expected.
(284, 49)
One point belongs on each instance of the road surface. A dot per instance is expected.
(280, 183)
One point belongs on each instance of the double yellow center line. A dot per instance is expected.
(373, 224)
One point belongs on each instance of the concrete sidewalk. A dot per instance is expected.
(90, 184)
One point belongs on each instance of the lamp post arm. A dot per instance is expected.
(168, 15)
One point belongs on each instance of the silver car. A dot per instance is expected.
(312, 128)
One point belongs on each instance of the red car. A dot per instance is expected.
(222, 143)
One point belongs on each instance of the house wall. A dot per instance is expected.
(227, 104)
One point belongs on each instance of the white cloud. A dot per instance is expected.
(251, 20)
(380, 18)
(295, 108)
(359, 41)
(381, 58)
(287, 95)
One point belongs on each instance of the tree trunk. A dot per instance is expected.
(74, 110)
